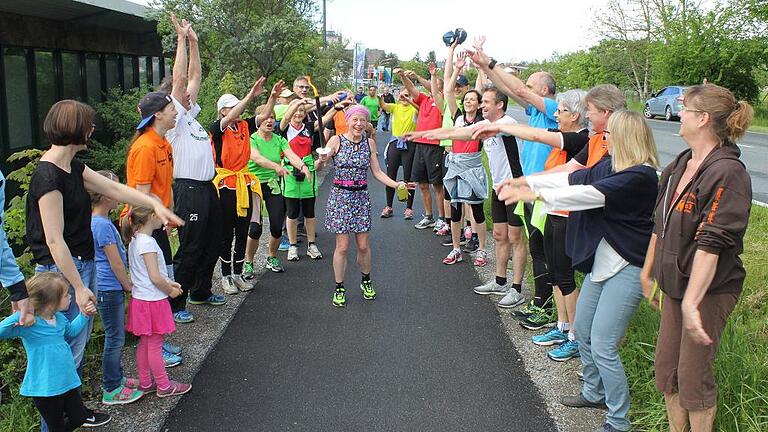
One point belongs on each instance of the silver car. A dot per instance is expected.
(667, 102)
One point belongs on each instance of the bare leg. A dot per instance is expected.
(440, 197)
(562, 313)
(292, 226)
(570, 306)
(701, 421)
(519, 253)
(309, 224)
(251, 246)
(274, 243)
(501, 236)
(456, 234)
(363, 252)
(482, 234)
(678, 416)
(426, 198)
(340, 257)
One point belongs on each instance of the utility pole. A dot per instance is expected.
(325, 37)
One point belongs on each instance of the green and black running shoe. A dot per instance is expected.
(368, 291)
(526, 312)
(340, 297)
(274, 264)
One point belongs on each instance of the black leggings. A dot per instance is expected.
(558, 262)
(62, 413)
(477, 211)
(541, 278)
(395, 159)
(275, 204)
(307, 207)
(233, 227)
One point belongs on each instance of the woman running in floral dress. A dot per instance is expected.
(349, 206)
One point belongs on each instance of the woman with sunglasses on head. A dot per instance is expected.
(701, 216)
(616, 199)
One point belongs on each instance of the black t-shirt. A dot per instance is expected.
(217, 135)
(312, 118)
(76, 205)
(574, 143)
(388, 98)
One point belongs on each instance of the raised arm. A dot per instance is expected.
(448, 133)
(383, 105)
(195, 73)
(327, 117)
(449, 85)
(509, 84)
(289, 112)
(412, 91)
(237, 110)
(376, 169)
(180, 63)
(270, 105)
(552, 139)
(436, 95)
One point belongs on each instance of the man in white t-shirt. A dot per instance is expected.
(504, 163)
(195, 197)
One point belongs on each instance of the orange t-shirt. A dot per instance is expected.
(150, 161)
(340, 122)
(598, 148)
(235, 150)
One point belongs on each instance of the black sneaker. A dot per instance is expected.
(96, 419)
(472, 245)
(449, 242)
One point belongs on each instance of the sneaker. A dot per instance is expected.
(340, 297)
(248, 273)
(580, 375)
(167, 346)
(212, 300)
(426, 222)
(171, 360)
(121, 395)
(293, 253)
(491, 288)
(439, 224)
(579, 401)
(368, 291)
(183, 317)
(387, 212)
(175, 389)
(147, 390)
(408, 214)
(543, 318)
(512, 299)
(241, 283)
(606, 428)
(525, 312)
(566, 351)
(552, 337)
(131, 383)
(228, 285)
(284, 243)
(481, 259)
(445, 230)
(274, 264)
(468, 231)
(472, 245)
(449, 241)
(453, 257)
(96, 419)
(313, 252)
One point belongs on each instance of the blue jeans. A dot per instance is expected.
(384, 120)
(112, 311)
(603, 312)
(87, 271)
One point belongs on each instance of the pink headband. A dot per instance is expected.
(357, 109)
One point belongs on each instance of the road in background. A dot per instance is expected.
(754, 150)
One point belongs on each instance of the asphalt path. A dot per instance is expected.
(754, 149)
(427, 355)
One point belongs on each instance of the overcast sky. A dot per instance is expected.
(515, 30)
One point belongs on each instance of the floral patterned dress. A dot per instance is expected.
(349, 211)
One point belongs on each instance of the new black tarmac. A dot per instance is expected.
(427, 355)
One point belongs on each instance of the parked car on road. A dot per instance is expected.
(667, 102)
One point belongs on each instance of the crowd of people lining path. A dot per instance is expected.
(577, 187)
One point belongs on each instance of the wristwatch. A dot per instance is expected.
(492, 63)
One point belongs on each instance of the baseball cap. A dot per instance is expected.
(227, 101)
(286, 93)
(151, 104)
(462, 81)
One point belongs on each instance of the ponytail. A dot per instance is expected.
(136, 218)
(738, 121)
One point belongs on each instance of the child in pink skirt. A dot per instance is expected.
(149, 314)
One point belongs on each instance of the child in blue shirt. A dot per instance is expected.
(113, 282)
(51, 378)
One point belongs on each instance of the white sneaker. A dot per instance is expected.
(241, 283)
(313, 252)
(228, 285)
(293, 253)
(512, 299)
(439, 224)
(491, 288)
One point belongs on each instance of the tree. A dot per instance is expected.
(431, 57)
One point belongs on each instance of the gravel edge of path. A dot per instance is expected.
(552, 379)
